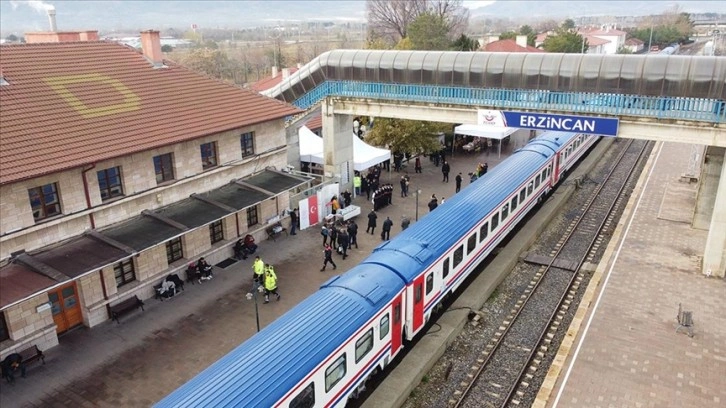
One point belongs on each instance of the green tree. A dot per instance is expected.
(568, 24)
(429, 32)
(565, 41)
(464, 43)
(406, 136)
(167, 48)
(624, 50)
(530, 33)
(508, 35)
(12, 38)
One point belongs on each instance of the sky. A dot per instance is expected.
(18, 16)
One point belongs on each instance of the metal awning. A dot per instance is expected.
(20, 282)
(192, 212)
(141, 232)
(80, 255)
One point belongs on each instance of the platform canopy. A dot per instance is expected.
(364, 155)
(487, 132)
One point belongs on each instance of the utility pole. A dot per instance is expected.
(650, 40)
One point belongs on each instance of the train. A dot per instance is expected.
(322, 351)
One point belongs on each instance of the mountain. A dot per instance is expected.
(570, 9)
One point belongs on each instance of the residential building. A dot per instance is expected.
(510, 45)
(118, 168)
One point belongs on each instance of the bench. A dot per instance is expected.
(275, 230)
(125, 307)
(31, 355)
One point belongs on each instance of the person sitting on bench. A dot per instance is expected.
(204, 269)
(11, 365)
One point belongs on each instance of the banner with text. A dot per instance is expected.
(546, 121)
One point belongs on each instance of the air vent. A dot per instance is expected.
(3, 81)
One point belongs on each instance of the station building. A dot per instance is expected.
(118, 168)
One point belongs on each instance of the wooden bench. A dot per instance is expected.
(125, 307)
(275, 230)
(31, 355)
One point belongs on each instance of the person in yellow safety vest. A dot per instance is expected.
(356, 184)
(259, 270)
(270, 283)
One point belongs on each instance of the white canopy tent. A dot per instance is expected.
(364, 155)
(486, 132)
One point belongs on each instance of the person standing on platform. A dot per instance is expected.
(445, 169)
(417, 165)
(328, 258)
(405, 222)
(485, 168)
(458, 182)
(294, 219)
(372, 217)
(433, 203)
(343, 242)
(366, 187)
(347, 198)
(386, 230)
(352, 234)
(403, 186)
(324, 232)
(334, 205)
(357, 180)
(270, 283)
(258, 267)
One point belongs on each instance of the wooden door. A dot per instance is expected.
(65, 307)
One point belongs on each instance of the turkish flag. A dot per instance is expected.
(313, 210)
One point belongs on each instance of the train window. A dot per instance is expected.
(536, 181)
(495, 221)
(363, 345)
(335, 372)
(385, 326)
(530, 187)
(417, 293)
(429, 283)
(544, 175)
(471, 244)
(483, 231)
(458, 255)
(514, 203)
(522, 195)
(305, 399)
(397, 314)
(505, 211)
(445, 270)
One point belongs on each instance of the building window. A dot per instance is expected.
(247, 140)
(216, 232)
(124, 272)
(252, 218)
(4, 332)
(174, 250)
(44, 201)
(109, 182)
(209, 155)
(164, 168)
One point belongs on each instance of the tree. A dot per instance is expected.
(167, 48)
(508, 35)
(12, 38)
(214, 63)
(406, 136)
(530, 33)
(623, 50)
(568, 24)
(565, 41)
(429, 32)
(464, 43)
(390, 20)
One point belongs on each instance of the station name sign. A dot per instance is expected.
(545, 121)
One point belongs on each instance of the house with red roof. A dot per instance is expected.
(510, 45)
(115, 169)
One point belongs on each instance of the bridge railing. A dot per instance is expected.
(690, 109)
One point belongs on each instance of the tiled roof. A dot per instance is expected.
(601, 32)
(508, 46)
(19, 282)
(315, 123)
(267, 83)
(634, 41)
(595, 41)
(72, 104)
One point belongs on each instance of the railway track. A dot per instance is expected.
(503, 373)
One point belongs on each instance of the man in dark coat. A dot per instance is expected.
(386, 232)
(10, 365)
(372, 217)
(433, 203)
(445, 168)
(352, 234)
(403, 183)
(294, 219)
(328, 258)
(458, 182)
(343, 242)
(347, 198)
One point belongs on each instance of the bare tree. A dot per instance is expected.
(389, 20)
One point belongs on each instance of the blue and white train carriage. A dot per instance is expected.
(321, 352)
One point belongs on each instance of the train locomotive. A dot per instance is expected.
(322, 351)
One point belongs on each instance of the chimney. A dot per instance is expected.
(151, 47)
(51, 17)
(522, 41)
(285, 73)
(299, 65)
(274, 71)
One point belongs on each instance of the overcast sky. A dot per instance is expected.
(21, 16)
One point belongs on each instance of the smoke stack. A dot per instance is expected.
(285, 73)
(274, 71)
(151, 47)
(51, 17)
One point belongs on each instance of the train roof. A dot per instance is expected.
(451, 222)
(310, 332)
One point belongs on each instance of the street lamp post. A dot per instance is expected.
(418, 193)
(253, 295)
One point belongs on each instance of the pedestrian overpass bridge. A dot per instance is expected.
(657, 97)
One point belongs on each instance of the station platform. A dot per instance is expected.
(153, 352)
(623, 349)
